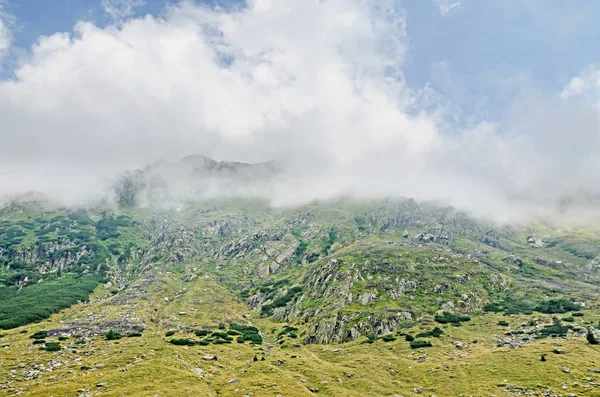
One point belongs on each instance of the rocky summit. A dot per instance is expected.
(230, 296)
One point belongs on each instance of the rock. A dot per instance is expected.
(233, 381)
(198, 371)
(182, 313)
(166, 299)
(566, 370)
(209, 357)
(103, 384)
(313, 389)
(594, 370)
(458, 344)
(367, 297)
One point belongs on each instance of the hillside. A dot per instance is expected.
(231, 296)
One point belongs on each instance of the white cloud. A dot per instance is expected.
(588, 81)
(316, 85)
(5, 29)
(446, 6)
(119, 10)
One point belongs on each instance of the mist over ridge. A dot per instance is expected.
(319, 89)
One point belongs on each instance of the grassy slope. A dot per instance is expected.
(149, 365)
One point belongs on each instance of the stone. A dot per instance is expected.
(233, 381)
(566, 370)
(209, 357)
(103, 384)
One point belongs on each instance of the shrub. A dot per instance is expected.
(40, 335)
(503, 323)
(182, 342)
(591, 338)
(170, 333)
(39, 341)
(267, 310)
(577, 314)
(371, 338)
(37, 302)
(436, 332)
(112, 335)
(134, 334)
(62, 338)
(557, 306)
(493, 307)
(569, 319)
(388, 338)
(51, 347)
(80, 342)
(248, 333)
(416, 344)
(451, 318)
(555, 330)
(409, 338)
(202, 332)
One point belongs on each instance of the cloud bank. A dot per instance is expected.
(316, 86)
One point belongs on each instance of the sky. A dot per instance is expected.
(488, 105)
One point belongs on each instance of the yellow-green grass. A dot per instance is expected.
(149, 365)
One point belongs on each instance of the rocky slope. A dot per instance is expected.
(295, 287)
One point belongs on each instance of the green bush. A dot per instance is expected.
(112, 335)
(40, 335)
(170, 333)
(416, 344)
(134, 334)
(409, 338)
(503, 323)
(451, 318)
(371, 338)
(51, 347)
(248, 333)
(202, 332)
(39, 341)
(577, 314)
(182, 342)
(591, 338)
(37, 302)
(63, 338)
(557, 306)
(436, 332)
(388, 338)
(555, 330)
(267, 310)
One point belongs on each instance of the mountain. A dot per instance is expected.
(187, 286)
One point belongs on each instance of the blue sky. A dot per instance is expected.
(478, 56)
